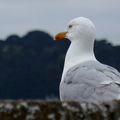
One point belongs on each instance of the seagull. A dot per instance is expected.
(85, 79)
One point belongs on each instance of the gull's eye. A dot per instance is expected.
(70, 26)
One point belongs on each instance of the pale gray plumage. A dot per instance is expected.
(90, 82)
(84, 78)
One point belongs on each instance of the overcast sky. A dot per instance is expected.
(21, 16)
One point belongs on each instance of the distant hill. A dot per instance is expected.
(31, 66)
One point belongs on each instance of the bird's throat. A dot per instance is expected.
(78, 53)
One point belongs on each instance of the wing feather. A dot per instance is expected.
(90, 81)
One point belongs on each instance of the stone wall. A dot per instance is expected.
(55, 110)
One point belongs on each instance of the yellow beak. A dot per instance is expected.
(60, 35)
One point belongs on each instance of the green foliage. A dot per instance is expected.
(31, 66)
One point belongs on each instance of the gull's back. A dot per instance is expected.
(90, 82)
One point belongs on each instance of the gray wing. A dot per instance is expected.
(90, 82)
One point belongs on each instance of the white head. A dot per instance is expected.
(80, 28)
(81, 32)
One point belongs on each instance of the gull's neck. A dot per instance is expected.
(77, 53)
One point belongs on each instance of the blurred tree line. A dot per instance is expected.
(31, 66)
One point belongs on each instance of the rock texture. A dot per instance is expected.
(55, 110)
